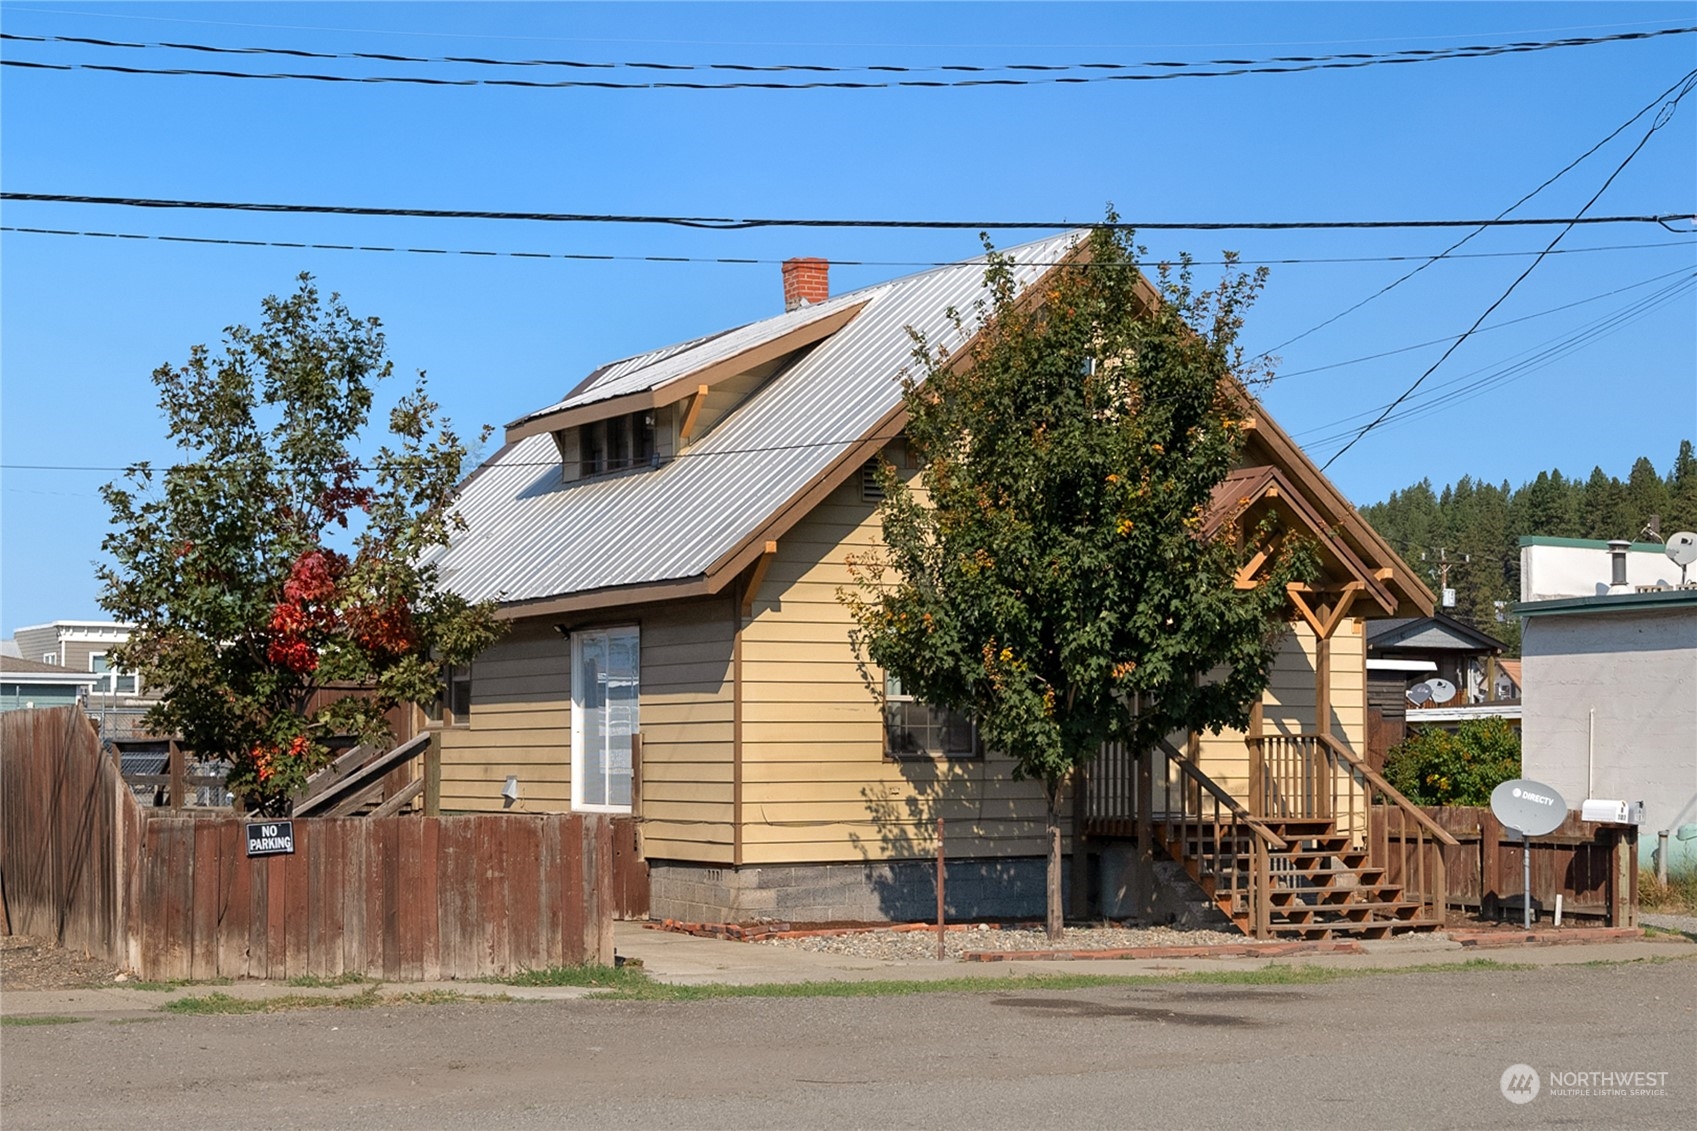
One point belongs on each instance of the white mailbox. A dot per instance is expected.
(1608, 812)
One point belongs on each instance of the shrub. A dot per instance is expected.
(1437, 767)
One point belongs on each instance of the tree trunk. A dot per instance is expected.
(1054, 921)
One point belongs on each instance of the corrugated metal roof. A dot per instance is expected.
(532, 536)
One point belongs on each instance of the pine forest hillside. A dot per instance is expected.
(1475, 527)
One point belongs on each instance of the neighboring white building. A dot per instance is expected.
(1610, 691)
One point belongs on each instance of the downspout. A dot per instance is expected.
(1590, 748)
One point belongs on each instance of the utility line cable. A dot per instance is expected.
(1172, 70)
(745, 261)
(1359, 57)
(1448, 252)
(724, 223)
(1662, 118)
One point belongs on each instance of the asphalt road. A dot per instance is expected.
(1408, 1050)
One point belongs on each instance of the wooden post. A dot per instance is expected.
(1079, 893)
(1623, 877)
(433, 775)
(1145, 903)
(1258, 897)
(942, 947)
(179, 774)
(1257, 763)
(1490, 865)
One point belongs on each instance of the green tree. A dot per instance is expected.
(272, 561)
(1435, 767)
(1682, 491)
(1646, 494)
(1052, 578)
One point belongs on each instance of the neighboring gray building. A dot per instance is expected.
(82, 646)
(26, 684)
(1610, 696)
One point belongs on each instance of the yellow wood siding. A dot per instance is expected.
(1288, 704)
(520, 724)
(816, 785)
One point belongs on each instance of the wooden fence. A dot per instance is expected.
(1592, 867)
(397, 898)
(67, 826)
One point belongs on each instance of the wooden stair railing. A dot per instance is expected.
(355, 780)
(1314, 777)
(1226, 850)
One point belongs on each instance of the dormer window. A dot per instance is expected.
(617, 443)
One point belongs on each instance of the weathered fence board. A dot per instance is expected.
(1590, 866)
(398, 898)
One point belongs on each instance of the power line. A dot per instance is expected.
(725, 223)
(1662, 119)
(749, 260)
(1447, 252)
(1168, 69)
(1511, 368)
(1359, 57)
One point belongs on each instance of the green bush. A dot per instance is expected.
(1436, 767)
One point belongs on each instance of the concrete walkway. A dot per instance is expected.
(688, 960)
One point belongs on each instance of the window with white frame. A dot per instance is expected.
(913, 729)
(606, 689)
(112, 681)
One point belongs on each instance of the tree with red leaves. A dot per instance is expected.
(275, 562)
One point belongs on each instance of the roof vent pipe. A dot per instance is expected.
(807, 281)
(1617, 564)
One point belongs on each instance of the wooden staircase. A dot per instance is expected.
(1321, 847)
(1318, 885)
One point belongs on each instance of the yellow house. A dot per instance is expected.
(668, 542)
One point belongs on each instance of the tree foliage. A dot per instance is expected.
(1436, 767)
(273, 562)
(1477, 526)
(1050, 576)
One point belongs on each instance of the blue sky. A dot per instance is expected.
(1595, 362)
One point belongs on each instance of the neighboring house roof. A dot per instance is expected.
(16, 669)
(542, 545)
(1511, 668)
(1436, 633)
(1642, 601)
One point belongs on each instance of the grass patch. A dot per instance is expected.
(1272, 975)
(602, 977)
(315, 982)
(132, 1020)
(1676, 897)
(215, 1003)
(28, 1019)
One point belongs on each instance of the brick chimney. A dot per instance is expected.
(806, 282)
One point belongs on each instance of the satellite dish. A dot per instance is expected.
(1420, 694)
(1442, 689)
(1682, 551)
(1529, 808)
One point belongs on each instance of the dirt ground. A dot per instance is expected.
(35, 964)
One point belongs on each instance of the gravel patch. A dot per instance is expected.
(1684, 924)
(910, 944)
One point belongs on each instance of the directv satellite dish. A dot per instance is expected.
(1420, 694)
(1442, 689)
(1529, 808)
(1682, 551)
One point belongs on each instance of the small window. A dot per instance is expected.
(616, 444)
(50, 658)
(913, 729)
(594, 448)
(452, 705)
